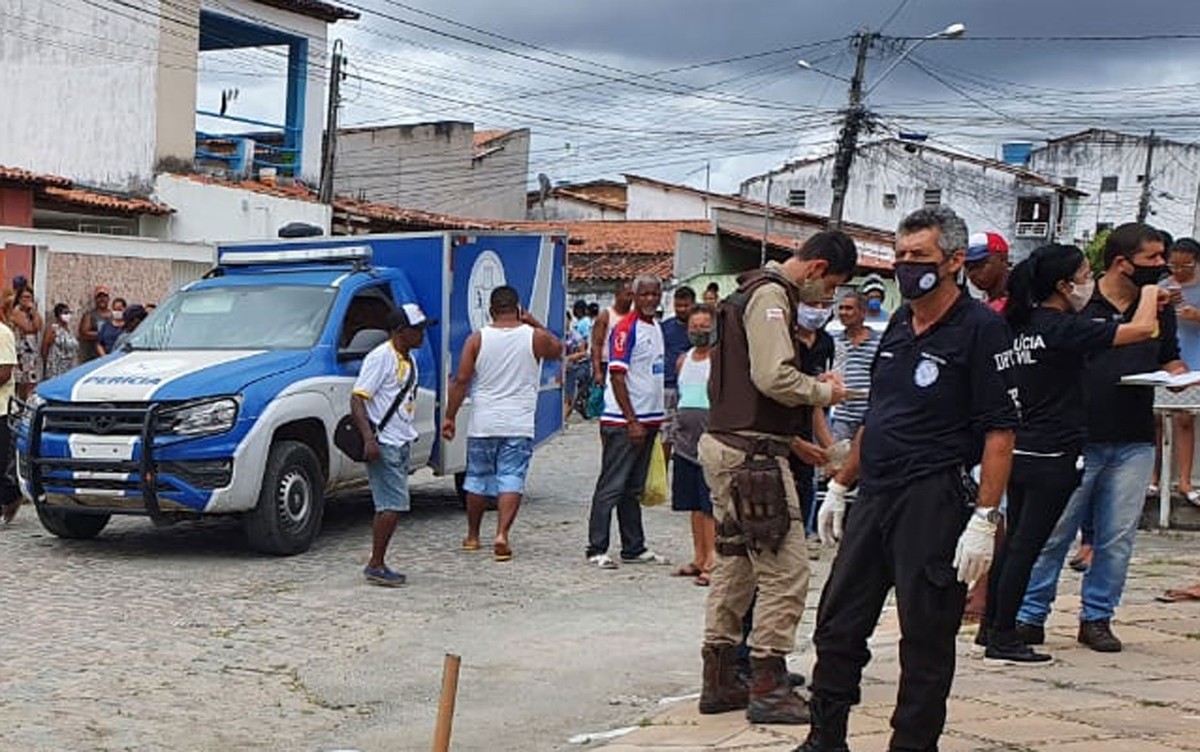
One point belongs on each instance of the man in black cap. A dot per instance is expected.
(383, 402)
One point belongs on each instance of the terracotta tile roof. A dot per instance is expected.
(482, 138)
(614, 266)
(86, 198)
(327, 12)
(607, 196)
(787, 243)
(295, 189)
(16, 175)
(395, 218)
(618, 237)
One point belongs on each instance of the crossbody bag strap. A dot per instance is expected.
(408, 383)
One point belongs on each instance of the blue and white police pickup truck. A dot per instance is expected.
(225, 399)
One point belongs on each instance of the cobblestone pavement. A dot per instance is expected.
(1145, 699)
(182, 639)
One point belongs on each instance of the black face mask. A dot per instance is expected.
(916, 278)
(1147, 275)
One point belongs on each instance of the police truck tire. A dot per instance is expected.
(291, 502)
(71, 525)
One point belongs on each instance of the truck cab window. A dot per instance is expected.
(368, 310)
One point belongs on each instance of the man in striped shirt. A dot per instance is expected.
(854, 352)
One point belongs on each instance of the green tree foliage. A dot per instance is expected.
(1095, 251)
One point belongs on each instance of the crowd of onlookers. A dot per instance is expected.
(52, 343)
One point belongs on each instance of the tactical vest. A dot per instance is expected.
(735, 404)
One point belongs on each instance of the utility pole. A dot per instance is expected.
(1144, 203)
(762, 261)
(851, 125)
(329, 151)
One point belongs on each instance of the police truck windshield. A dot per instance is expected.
(267, 317)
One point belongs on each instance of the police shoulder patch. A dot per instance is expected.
(775, 314)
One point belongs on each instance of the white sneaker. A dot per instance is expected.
(648, 557)
(603, 561)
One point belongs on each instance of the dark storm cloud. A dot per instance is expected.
(991, 89)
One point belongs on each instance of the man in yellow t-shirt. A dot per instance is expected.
(10, 498)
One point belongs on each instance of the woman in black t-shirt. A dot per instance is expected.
(1050, 343)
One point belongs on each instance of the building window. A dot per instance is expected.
(797, 199)
(1108, 184)
(889, 201)
(1071, 182)
(933, 197)
(1033, 217)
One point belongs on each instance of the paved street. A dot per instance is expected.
(1144, 699)
(181, 639)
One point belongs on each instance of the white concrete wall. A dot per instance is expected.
(432, 166)
(316, 31)
(649, 201)
(986, 198)
(425, 166)
(209, 213)
(79, 86)
(500, 180)
(568, 209)
(1175, 170)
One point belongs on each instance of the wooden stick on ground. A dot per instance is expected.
(445, 716)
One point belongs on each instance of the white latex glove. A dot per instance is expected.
(973, 557)
(832, 515)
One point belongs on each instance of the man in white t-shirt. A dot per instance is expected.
(383, 402)
(10, 497)
(633, 413)
(502, 366)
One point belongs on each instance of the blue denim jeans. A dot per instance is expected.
(1112, 493)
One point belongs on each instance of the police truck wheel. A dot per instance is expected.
(71, 525)
(291, 502)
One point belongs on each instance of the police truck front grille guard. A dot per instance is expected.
(145, 467)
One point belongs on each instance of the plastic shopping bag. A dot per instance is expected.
(655, 492)
(595, 402)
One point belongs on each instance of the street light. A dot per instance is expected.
(953, 31)
(857, 116)
(810, 67)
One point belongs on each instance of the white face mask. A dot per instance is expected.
(812, 318)
(65, 318)
(1081, 293)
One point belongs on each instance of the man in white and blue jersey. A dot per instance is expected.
(854, 352)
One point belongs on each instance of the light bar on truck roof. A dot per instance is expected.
(233, 257)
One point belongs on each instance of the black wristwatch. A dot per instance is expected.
(991, 514)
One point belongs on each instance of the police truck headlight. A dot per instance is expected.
(216, 416)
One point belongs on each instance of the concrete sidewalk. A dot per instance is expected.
(1145, 699)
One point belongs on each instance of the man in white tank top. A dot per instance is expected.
(602, 327)
(501, 366)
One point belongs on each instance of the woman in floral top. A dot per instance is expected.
(27, 325)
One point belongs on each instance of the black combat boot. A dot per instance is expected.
(771, 697)
(828, 730)
(722, 692)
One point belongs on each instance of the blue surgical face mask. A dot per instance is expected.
(812, 318)
(874, 305)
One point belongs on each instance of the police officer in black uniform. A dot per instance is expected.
(938, 386)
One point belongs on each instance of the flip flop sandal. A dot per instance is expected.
(501, 552)
(704, 579)
(690, 570)
(1080, 563)
(1177, 596)
(470, 545)
(1193, 497)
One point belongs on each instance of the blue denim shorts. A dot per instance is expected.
(388, 477)
(497, 464)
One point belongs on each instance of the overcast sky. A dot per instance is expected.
(599, 83)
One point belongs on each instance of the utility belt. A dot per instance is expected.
(760, 498)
